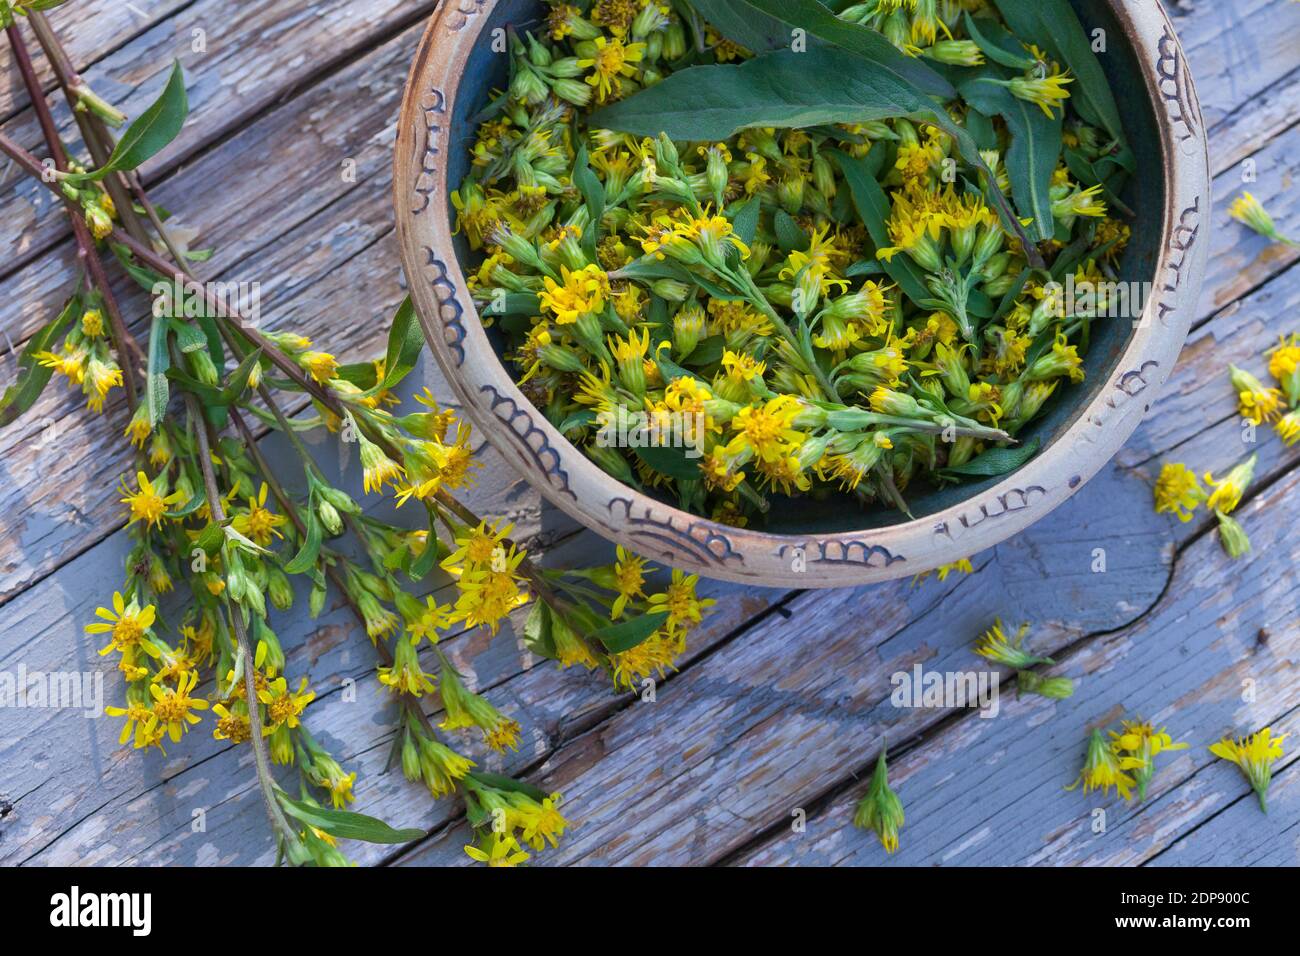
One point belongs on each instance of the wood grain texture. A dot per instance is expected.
(317, 242)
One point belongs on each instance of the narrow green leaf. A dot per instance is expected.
(537, 631)
(761, 25)
(745, 222)
(238, 380)
(156, 389)
(996, 461)
(783, 89)
(1054, 26)
(499, 781)
(577, 420)
(513, 303)
(188, 337)
(32, 376)
(307, 554)
(788, 234)
(152, 130)
(346, 823)
(625, 635)
(994, 45)
(405, 340)
(1035, 145)
(670, 461)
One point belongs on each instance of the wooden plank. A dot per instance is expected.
(89, 31)
(252, 56)
(1239, 835)
(990, 791)
(1240, 260)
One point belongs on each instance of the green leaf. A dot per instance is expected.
(512, 303)
(155, 384)
(151, 132)
(32, 376)
(210, 538)
(593, 194)
(405, 340)
(188, 337)
(346, 823)
(782, 88)
(788, 234)
(760, 25)
(307, 554)
(1035, 145)
(238, 380)
(670, 461)
(995, 44)
(537, 631)
(1054, 27)
(423, 564)
(625, 635)
(577, 420)
(995, 461)
(873, 208)
(745, 221)
(499, 781)
(708, 350)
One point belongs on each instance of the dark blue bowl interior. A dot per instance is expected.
(1145, 194)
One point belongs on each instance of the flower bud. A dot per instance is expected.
(279, 590)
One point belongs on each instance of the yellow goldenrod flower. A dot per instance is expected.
(657, 654)
(127, 624)
(440, 767)
(1045, 92)
(993, 645)
(320, 365)
(232, 725)
(1288, 427)
(1257, 403)
(628, 580)
(405, 676)
(765, 431)
(582, 292)
(464, 708)
(1101, 769)
(880, 810)
(1178, 491)
(139, 428)
(481, 547)
(1246, 209)
(1229, 489)
(611, 61)
(1137, 744)
(172, 706)
(92, 323)
(1255, 756)
(379, 468)
(283, 706)
(137, 719)
(497, 849)
(684, 609)
(258, 523)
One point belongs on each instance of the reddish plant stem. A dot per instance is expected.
(86, 250)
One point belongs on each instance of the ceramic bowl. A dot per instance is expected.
(818, 543)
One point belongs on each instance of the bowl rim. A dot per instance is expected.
(571, 481)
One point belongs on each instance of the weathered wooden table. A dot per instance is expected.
(781, 706)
